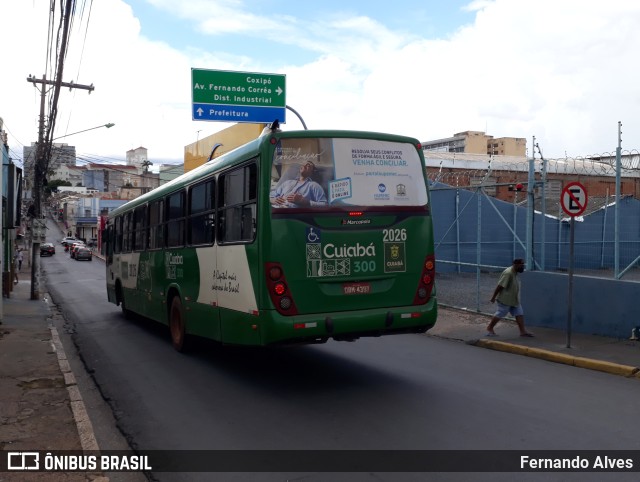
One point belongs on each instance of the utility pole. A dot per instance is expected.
(38, 231)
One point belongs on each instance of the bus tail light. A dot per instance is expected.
(279, 290)
(275, 273)
(427, 277)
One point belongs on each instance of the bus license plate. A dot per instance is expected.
(356, 288)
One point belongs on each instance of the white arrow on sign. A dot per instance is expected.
(279, 90)
(200, 111)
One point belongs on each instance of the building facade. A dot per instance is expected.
(69, 173)
(12, 229)
(169, 172)
(137, 157)
(477, 142)
(108, 177)
(215, 145)
(81, 214)
(506, 177)
(62, 154)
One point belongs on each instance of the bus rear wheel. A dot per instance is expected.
(177, 325)
(125, 312)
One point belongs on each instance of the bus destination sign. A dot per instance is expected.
(228, 96)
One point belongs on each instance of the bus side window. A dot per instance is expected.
(117, 235)
(201, 221)
(127, 232)
(237, 204)
(139, 228)
(155, 226)
(248, 222)
(175, 219)
(107, 244)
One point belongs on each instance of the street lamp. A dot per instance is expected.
(108, 126)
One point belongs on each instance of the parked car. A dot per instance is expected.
(47, 249)
(74, 247)
(82, 252)
(68, 240)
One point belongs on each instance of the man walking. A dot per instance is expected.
(507, 296)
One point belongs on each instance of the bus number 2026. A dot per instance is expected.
(394, 235)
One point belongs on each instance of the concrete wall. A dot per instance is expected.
(600, 306)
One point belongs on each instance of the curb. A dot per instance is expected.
(81, 418)
(576, 361)
(88, 440)
(85, 429)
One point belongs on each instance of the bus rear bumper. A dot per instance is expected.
(348, 325)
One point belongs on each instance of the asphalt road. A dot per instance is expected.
(409, 392)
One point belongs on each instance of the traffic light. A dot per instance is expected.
(517, 187)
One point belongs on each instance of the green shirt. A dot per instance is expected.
(510, 293)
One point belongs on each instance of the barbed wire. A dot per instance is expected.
(464, 169)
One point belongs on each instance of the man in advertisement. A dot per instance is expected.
(300, 192)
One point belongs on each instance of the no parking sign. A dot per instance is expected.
(574, 199)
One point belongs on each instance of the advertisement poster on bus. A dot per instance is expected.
(316, 173)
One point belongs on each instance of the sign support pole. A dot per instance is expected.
(572, 230)
(574, 202)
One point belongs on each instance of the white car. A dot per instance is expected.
(68, 240)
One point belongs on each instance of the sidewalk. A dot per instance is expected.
(41, 407)
(618, 357)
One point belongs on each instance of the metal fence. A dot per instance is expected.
(478, 235)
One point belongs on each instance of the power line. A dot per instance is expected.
(6, 127)
(45, 133)
(84, 40)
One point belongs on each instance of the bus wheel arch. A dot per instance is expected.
(120, 300)
(177, 322)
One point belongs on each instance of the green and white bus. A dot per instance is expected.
(294, 237)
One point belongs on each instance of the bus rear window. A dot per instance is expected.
(320, 173)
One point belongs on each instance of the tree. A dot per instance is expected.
(52, 186)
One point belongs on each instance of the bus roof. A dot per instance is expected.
(245, 151)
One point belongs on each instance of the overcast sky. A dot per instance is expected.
(564, 71)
